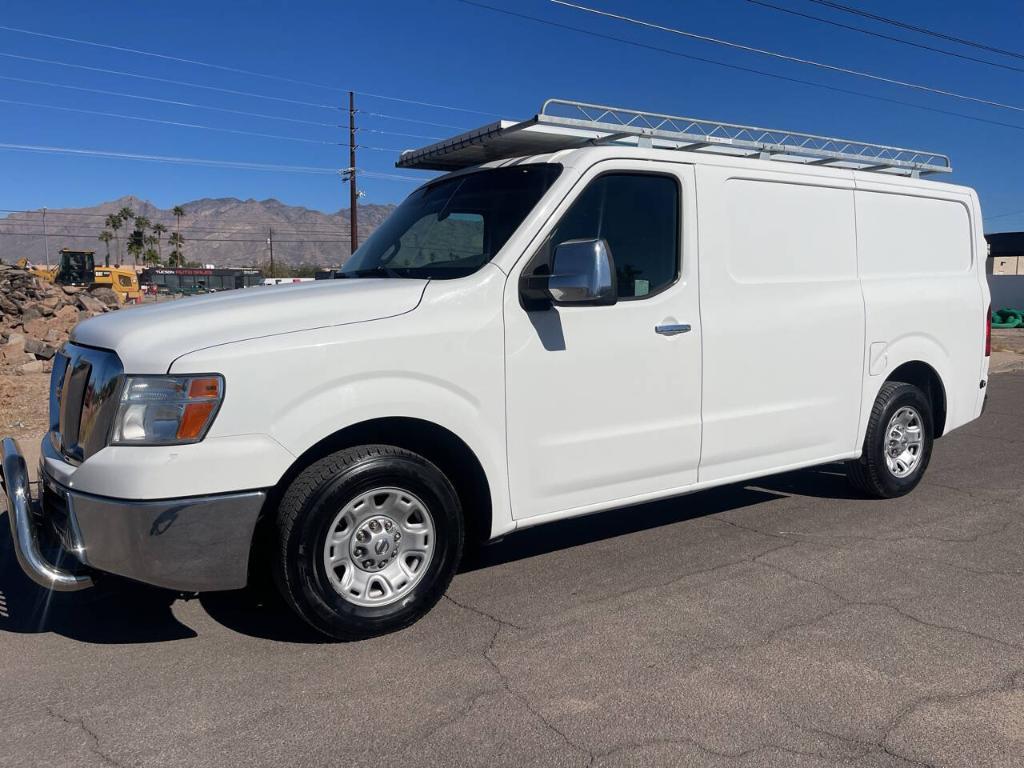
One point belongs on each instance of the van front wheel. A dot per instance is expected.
(898, 443)
(368, 540)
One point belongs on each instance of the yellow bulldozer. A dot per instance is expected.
(78, 268)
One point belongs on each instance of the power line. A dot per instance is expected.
(173, 102)
(90, 235)
(872, 33)
(179, 59)
(396, 133)
(411, 120)
(168, 219)
(198, 161)
(169, 159)
(174, 123)
(224, 230)
(122, 73)
(922, 30)
(737, 67)
(1003, 215)
(426, 104)
(786, 57)
(238, 70)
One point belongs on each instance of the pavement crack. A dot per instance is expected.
(1010, 684)
(485, 614)
(94, 740)
(848, 602)
(506, 683)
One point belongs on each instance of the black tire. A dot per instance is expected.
(306, 513)
(870, 473)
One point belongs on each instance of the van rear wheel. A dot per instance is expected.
(368, 540)
(898, 443)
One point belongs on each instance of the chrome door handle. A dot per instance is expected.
(672, 329)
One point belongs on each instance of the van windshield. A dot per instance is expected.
(453, 227)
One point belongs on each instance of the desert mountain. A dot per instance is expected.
(224, 231)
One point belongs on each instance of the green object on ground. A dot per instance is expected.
(1008, 318)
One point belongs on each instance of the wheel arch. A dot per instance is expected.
(927, 379)
(444, 448)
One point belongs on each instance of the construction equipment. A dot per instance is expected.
(78, 269)
(123, 281)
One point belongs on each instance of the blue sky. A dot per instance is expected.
(447, 52)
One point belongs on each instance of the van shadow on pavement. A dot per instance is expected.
(121, 611)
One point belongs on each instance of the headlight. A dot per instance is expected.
(167, 410)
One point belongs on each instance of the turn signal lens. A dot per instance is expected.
(167, 410)
(203, 388)
(194, 419)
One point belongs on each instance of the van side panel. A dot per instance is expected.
(783, 318)
(919, 266)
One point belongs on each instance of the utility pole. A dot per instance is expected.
(46, 241)
(352, 191)
(270, 242)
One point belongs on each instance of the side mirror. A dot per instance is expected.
(582, 272)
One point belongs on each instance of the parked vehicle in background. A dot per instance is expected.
(193, 280)
(581, 315)
(287, 280)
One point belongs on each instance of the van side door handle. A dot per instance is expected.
(672, 329)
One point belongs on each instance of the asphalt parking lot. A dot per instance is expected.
(783, 623)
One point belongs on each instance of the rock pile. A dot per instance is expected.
(36, 317)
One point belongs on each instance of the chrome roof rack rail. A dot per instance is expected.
(563, 124)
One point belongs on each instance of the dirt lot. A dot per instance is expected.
(1007, 350)
(24, 406)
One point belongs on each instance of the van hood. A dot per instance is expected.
(150, 337)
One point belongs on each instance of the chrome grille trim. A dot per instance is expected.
(84, 389)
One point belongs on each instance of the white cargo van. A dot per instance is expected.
(595, 308)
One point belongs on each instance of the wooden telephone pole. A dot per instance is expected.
(270, 242)
(352, 191)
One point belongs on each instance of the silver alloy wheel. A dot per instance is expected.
(379, 547)
(904, 441)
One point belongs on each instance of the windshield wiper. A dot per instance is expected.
(378, 271)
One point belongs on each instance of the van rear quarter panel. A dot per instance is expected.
(924, 295)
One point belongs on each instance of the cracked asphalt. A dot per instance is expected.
(785, 622)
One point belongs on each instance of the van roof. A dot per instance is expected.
(566, 125)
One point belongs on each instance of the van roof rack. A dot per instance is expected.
(563, 124)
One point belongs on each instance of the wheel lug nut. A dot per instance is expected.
(359, 552)
(388, 525)
(367, 563)
(375, 526)
(398, 536)
(361, 536)
(382, 563)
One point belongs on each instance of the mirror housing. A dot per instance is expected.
(583, 273)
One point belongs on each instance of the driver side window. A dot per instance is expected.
(638, 215)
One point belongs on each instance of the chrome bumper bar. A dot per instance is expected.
(14, 479)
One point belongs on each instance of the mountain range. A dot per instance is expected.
(226, 232)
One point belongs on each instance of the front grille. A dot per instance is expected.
(83, 399)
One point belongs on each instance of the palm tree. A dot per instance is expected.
(114, 222)
(176, 241)
(105, 237)
(158, 230)
(126, 213)
(179, 213)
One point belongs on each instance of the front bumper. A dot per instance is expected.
(194, 544)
